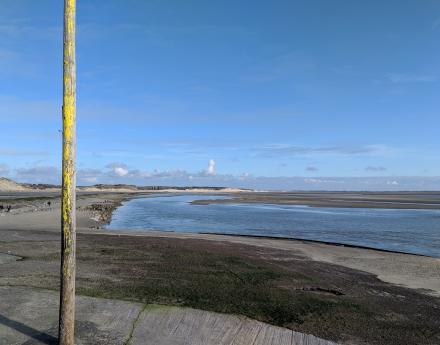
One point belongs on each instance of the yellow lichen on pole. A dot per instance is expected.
(68, 202)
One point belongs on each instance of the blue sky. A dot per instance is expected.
(267, 94)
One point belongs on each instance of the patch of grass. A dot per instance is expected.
(269, 285)
(203, 279)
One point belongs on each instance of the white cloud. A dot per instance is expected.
(92, 179)
(118, 169)
(211, 167)
(108, 175)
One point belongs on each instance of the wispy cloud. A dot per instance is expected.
(4, 169)
(284, 150)
(6, 55)
(88, 176)
(312, 169)
(120, 172)
(435, 24)
(17, 36)
(17, 152)
(38, 174)
(22, 108)
(21, 28)
(375, 168)
(281, 67)
(411, 78)
(89, 180)
(51, 174)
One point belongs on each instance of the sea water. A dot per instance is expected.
(411, 231)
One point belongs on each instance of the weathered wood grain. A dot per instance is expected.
(68, 204)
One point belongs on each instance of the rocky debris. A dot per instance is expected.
(103, 211)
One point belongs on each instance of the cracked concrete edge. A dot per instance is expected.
(134, 324)
(179, 325)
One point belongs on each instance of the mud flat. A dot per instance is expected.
(400, 200)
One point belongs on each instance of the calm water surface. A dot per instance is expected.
(412, 231)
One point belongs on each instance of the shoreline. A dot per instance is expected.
(103, 211)
(270, 281)
(96, 209)
(139, 232)
(387, 200)
(336, 244)
(373, 200)
(337, 292)
(262, 236)
(414, 271)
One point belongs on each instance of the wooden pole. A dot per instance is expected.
(68, 202)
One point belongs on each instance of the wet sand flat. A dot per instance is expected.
(400, 200)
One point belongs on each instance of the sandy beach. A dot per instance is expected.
(349, 295)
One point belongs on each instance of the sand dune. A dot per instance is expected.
(7, 185)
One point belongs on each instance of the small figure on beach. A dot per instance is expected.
(9, 208)
(49, 203)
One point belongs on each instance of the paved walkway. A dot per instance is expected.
(29, 317)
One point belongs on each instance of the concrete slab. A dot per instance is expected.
(29, 316)
(185, 326)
